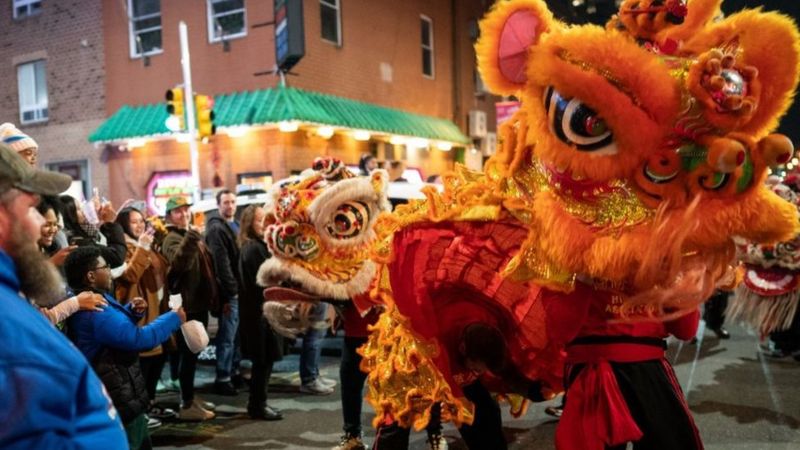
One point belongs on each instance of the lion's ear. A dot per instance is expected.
(763, 48)
(507, 32)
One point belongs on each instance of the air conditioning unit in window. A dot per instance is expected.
(29, 115)
(477, 123)
(489, 144)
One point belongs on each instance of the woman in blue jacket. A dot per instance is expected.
(111, 340)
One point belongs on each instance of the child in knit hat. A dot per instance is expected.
(20, 142)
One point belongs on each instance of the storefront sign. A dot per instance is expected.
(163, 185)
(505, 110)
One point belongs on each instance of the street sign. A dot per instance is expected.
(290, 44)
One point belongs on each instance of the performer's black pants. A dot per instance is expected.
(714, 310)
(656, 404)
(352, 380)
(486, 431)
(788, 340)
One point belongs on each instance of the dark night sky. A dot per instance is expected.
(790, 124)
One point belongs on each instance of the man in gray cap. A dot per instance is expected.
(51, 397)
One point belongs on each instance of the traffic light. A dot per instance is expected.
(175, 98)
(204, 105)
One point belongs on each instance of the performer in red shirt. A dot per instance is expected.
(621, 388)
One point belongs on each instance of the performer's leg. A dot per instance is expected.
(486, 430)
(391, 437)
(435, 423)
(788, 341)
(714, 314)
(352, 382)
(657, 404)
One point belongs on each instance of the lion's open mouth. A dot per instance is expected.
(284, 293)
(279, 273)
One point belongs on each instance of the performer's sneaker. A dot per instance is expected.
(349, 442)
(554, 411)
(721, 333)
(436, 442)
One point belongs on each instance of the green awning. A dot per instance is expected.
(270, 106)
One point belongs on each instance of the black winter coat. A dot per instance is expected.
(257, 338)
(114, 250)
(221, 242)
(121, 374)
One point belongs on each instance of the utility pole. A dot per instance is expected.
(189, 108)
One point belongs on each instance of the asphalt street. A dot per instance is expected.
(740, 399)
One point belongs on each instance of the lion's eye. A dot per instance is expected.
(349, 220)
(578, 125)
(292, 241)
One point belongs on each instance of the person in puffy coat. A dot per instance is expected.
(111, 340)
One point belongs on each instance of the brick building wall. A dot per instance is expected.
(373, 32)
(68, 35)
(379, 61)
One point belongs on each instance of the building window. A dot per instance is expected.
(25, 8)
(226, 19)
(79, 172)
(32, 81)
(145, 27)
(331, 19)
(427, 46)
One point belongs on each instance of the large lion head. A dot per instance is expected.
(642, 147)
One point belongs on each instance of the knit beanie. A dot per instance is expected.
(17, 140)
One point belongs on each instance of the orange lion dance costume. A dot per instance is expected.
(605, 218)
(607, 215)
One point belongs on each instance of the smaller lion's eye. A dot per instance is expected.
(349, 220)
(576, 124)
(291, 240)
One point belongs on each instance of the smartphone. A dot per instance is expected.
(79, 241)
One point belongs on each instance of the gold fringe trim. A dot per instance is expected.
(403, 381)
